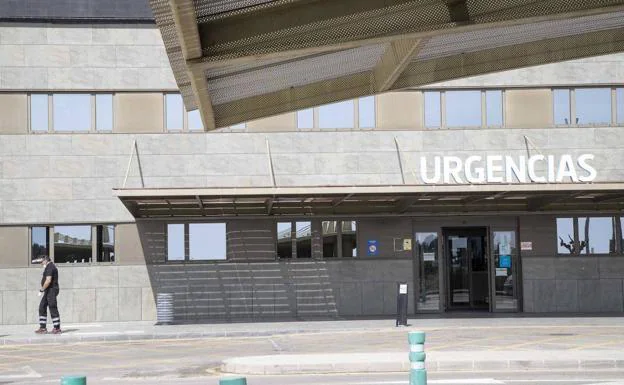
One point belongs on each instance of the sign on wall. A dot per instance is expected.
(372, 250)
(507, 169)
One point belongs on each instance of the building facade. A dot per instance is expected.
(498, 193)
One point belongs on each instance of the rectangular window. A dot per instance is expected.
(72, 244)
(565, 236)
(104, 112)
(207, 241)
(305, 118)
(175, 242)
(194, 121)
(593, 105)
(337, 115)
(366, 112)
(596, 235)
(105, 243)
(494, 108)
(39, 112)
(348, 234)
(304, 239)
(39, 242)
(174, 108)
(339, 239)
(561, 106)
(433, 110)
(463, 108)
(284, 240)
(330, 239)
(619, 101)
(72, 112)
(239, 127)
(426, 248)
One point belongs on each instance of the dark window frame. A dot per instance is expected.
(97, 248)
(619, 242)
(187, 246)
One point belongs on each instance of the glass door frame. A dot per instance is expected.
(417, 268)
(516, 270)
(446, 279)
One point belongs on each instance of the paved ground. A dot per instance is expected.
(139, 352)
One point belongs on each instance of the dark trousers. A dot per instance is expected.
(49, 300)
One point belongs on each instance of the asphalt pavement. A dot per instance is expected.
(140, 352)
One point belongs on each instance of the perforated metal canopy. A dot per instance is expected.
(239, 60)
(371, 200)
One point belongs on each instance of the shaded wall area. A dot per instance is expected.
(554, 283)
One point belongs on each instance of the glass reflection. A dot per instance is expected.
(72, 244)
(427, 253)
(504, 254)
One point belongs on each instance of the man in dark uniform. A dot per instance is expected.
(49, 291)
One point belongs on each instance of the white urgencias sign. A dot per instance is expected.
(508, 169)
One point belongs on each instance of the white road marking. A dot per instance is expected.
(275, 345)
(28, 373)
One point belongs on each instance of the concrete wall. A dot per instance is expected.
(83, 57)
(555, 283)
(69, 177)
(588, 71)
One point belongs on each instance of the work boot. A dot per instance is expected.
(57, 331)
(41, 331)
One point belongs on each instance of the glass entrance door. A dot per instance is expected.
(467, 267)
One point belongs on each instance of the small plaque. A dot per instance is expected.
(407, 244)
(526, 246)
(501, 271)
(403, 288)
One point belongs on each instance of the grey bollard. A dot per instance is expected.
(233, 381)
(73, 380)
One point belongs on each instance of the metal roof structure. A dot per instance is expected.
(239, 60)
(371, 200)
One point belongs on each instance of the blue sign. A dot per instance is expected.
(504, 261)
(372, 248)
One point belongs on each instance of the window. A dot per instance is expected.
(366, 112)
(426, 248)
(175, 242)
(588, 235)
(336, 115)
(194, 121)
(593, 105)
(330, 239)
(39, 242)
(339, 239)
(494, 108)
(433, 111)
(284, 240)
(206, 241)
(174, 109)
(239, 127)
(463, 108)
(39, 112)
(305, 118)
(304, 239)
(619, 101)
(105, 243)
(72, 112)
(104, 112)
(561, 106)
(72, 244)
(596, 235)
(565, 236)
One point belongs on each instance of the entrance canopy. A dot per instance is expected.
(371, 200)
(239, 60)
